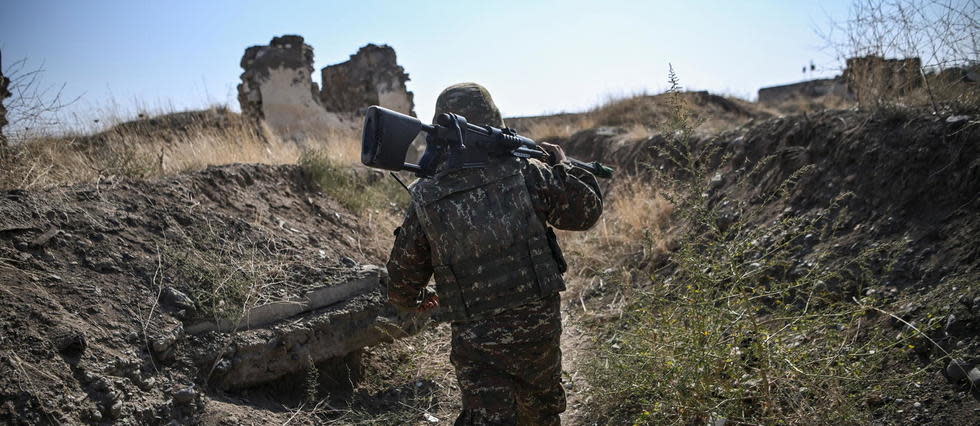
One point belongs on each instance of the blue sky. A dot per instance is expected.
(534, 56)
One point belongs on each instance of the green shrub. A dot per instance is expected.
(357, 189)
(219, 283)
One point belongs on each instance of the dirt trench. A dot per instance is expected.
(897, 177)
(140, 302)
(104, 320)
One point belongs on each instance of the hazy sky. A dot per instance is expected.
(534, 56)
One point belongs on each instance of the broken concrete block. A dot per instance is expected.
(263, 355)
(368, 278)
(279, 339)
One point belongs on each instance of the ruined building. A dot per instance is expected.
(372, 76)
(277, 88)
(864, 79)
(872, 77)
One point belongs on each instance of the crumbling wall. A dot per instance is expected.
(871, 78)
(806, 89)
(4, 94)
(372, 76)
(277, 88)
(866, 78)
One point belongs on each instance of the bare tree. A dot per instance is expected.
(4, 94)
(31, 106)
(942, 34)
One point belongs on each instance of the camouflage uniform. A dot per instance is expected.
(483, 233)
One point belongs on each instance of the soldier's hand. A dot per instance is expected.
(557, 153)
(428, 304)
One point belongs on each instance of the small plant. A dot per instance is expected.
(219, 287)
(355, 188)
(224, 276)
(312, 382)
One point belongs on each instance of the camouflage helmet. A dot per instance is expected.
(470, 100)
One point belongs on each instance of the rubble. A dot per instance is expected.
(265, 354)
(277, 89)
(372, 76)
(368, 278)
(957, 369)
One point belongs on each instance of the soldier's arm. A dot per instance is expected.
(409, 265)
(567, 197)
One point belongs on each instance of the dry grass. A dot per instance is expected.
(642, 115)
(559, 126)
(407, 381)
(163, 145)
(726, 331)
(634, 230)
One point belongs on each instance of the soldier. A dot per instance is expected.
(484, 233)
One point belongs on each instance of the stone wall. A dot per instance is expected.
(277, 88)
(865, 78)
(872, 78)
(372, 76)
(806, 89)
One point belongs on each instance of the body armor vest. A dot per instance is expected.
(490, 251)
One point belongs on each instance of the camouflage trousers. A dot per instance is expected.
(509, 366)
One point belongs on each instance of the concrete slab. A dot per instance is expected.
(369, 279)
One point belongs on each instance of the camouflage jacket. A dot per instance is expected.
(562, 196)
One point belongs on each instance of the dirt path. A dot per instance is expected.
(576, 347)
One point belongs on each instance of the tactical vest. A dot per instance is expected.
(490, 251)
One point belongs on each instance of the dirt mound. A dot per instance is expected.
(171, 126)
(897, 174)
(654, 109)
(100, 281)
(720, 113)
(903, 184)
